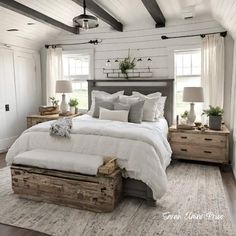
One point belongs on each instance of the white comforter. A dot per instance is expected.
(142, 149)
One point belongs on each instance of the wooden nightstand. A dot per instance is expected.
(211, 145)
(36, 119)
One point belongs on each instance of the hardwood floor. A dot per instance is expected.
(229, 183)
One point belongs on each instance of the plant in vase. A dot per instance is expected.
(54, 101)
(73, 103)
(127, 64)
(215, 117)
(184, 117)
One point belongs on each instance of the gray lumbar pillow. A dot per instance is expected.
(136, 112)
(121, 106)
(104, 103)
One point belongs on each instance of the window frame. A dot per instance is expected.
(86, 52)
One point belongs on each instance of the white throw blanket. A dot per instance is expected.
(142, 149)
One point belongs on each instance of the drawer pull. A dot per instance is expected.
(184, 137)
(183, 150)
(207, 151)
(208, 139)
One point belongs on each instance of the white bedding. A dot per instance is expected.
(142, 149)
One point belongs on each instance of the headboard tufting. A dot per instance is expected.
(165, 86)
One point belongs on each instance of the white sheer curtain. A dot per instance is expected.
(213, 70)
(233, 113)
(54, 71)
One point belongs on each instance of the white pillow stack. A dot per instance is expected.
(153, 106)
(102, 95)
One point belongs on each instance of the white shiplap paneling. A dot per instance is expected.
(143, 43)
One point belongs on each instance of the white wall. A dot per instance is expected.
(147, 40)
(20, 87)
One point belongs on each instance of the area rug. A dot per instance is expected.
(194, 205)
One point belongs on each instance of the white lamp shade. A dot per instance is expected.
(193, 94)
(63, 86)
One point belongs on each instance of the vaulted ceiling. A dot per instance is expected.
(131, 13)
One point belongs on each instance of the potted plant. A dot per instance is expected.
(184, 117)
(54, 101)
(127, 64)
(215, 117)
(73, 103)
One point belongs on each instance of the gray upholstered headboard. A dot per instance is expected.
(165, 86)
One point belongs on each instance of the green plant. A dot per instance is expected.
(184, 115)
(54, 101)
(213, 111)
(73, 102)
(127, 64)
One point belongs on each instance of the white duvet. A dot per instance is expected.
(141, 149)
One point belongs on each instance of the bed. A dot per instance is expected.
(142, 150)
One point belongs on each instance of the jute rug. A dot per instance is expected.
(194, 205)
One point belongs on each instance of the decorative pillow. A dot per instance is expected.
(136, 112)
(150, 110)
(151, 95)
(118, 115)
(102, 94)
(128, 99)
(161, 106)
(121, 106)
(104, 103)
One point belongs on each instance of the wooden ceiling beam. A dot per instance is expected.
(155, 12)
(33, 14)
(99, 12)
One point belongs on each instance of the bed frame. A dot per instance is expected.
(132, 187)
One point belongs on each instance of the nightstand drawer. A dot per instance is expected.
(201, 139)
(199, 152)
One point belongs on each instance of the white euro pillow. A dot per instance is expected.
(151, 95)
(103, 95)
(117, 115)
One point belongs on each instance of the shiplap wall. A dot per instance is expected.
(143, 42)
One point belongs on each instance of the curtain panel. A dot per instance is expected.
(54, 71)
(213, 70)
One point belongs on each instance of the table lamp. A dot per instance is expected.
(192, 94)
(63, 86)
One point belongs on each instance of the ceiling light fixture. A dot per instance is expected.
(85, 21)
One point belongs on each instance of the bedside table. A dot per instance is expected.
(210, 145)
(36, 119)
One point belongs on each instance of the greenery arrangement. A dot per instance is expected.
(184, 115)
(54, 101)
(127, 64)
(73, 102)
(213, 111)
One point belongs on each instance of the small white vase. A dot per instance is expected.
(72, 110)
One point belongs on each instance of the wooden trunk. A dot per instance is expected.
(99, 193)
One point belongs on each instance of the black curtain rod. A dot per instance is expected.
(94, 42)
(223, 34)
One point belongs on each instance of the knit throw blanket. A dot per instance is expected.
(61, 127)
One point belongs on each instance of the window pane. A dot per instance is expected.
(76, 68)
(187, 63)
(187, 60)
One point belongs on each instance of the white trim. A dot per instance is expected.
(89, 51)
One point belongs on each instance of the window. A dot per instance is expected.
(76, 67)
(187, 74)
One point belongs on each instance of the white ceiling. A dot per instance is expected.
(129, 12)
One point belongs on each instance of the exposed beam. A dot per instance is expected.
(31, 13)
(155, 12)
(99, 12)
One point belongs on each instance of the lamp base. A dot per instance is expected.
(64, 105)
(191, 114)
